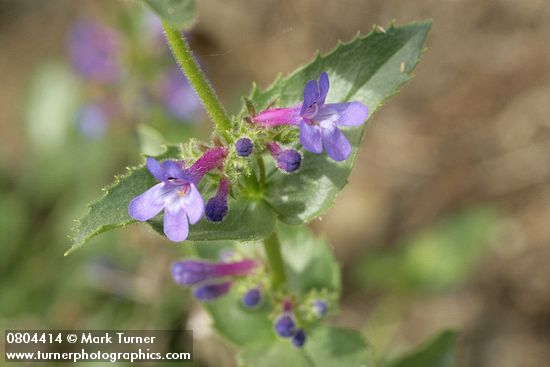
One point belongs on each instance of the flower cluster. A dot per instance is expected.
(177, 193)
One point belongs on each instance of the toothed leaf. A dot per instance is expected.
(247, 219)
(368, 69)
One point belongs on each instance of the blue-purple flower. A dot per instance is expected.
(318, 121)
(92, 120)
(210, 279)
(94, 51)
(178, 97)
(176, 193)
(193, 272)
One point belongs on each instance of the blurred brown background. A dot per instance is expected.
(472, 128)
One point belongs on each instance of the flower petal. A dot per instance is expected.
(173, 169)
(155, 168)
(336, 144)
(145, 206)
(323, 87)
(193, 204)
(310, 138)
(311, 95)
(348, 114)
(176, 227)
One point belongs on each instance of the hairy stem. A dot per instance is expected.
(197, 79)
(276, 267)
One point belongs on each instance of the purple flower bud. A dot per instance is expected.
(94, 51)
(216, 208)
(192, 272)
(252, 297)
(92, 120)
(244, 147)
(212, 291)
(285, 326)
(320, 307)
(299, 338)
(288, 160)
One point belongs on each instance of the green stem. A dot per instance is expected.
(261, 168)
(197, 79)
(275, 259)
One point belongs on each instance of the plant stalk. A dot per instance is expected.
(275, 259)
(197, 79)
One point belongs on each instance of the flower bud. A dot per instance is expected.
(285, 326)
(320, 307)
(252, 297)
(216, 208)
(288, 160)
(299, 338)
(244, 147)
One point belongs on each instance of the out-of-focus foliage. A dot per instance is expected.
(72, 153)
(437, 352)
(436, 258)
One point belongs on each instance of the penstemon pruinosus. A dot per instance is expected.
(267, 171)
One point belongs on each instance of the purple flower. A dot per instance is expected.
(288, 160)
(252, 297)
(285, 325)
(92, 120)
(318, 121)
(176, 193)
(216, 208)
(299, 338)
(244, 147)
(210, 292)
(192, 272)
(178, 97)
(94, 51)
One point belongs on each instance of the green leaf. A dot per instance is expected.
(247, 219)
(179, 13)
(273, 354)
(333, 346)
(438, 352)
(150, 140)
(238, 324)
(309, 261)
(368, 69)
(325, 347)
